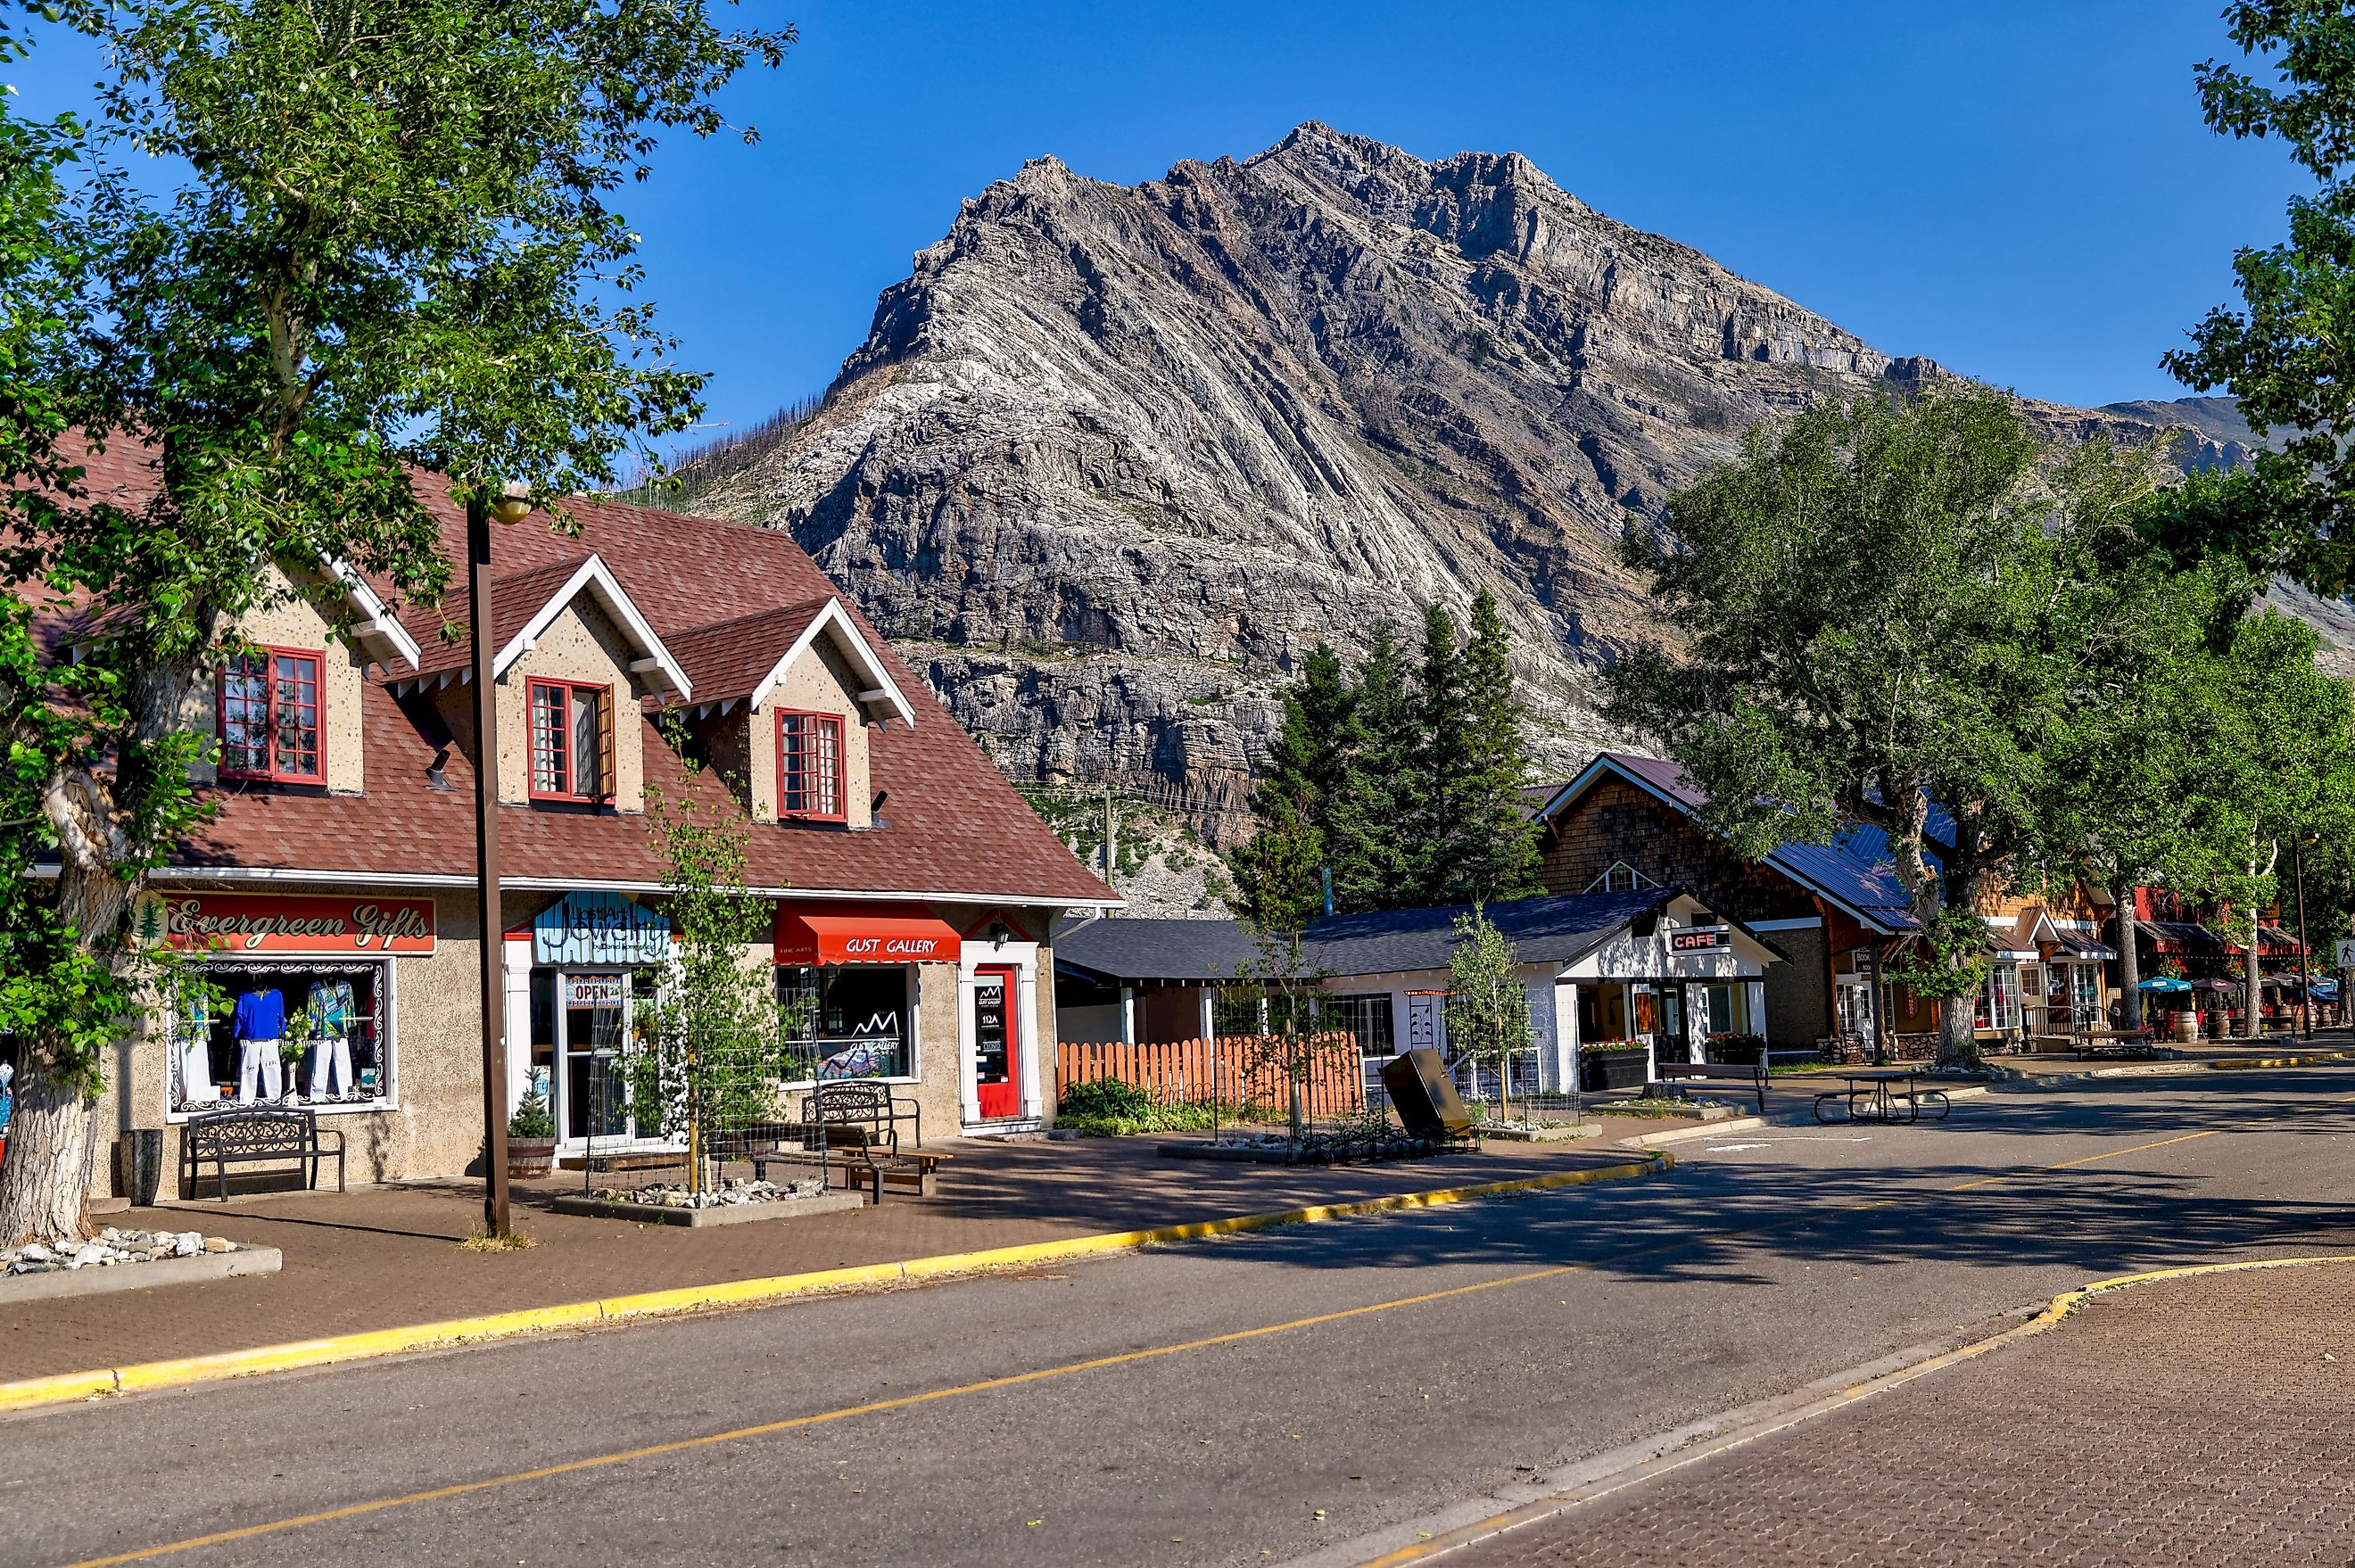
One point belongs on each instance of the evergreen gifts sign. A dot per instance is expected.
(290, 923)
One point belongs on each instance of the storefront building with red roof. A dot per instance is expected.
(648, 653)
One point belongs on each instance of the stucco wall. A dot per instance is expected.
(435, 1128)
(818, 682)
(582, 643)
(302, 626)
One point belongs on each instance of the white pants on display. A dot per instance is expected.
(331, 1063)
(197, 1085)
(259, 1058)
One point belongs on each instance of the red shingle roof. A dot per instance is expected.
(729, 659)
(954, 824)
(516, 597)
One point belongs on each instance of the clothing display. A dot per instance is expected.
(259, 1020)
(330, 1014)
(260, 1014)
(193, 1054)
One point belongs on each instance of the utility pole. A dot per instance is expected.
(1109, 830)
(489, 934)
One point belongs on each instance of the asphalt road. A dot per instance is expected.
(1246, 1400)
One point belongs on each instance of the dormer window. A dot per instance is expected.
(572, 741)
(270, 714)
(809, 766)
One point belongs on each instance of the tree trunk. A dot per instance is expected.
(2252, 984)
(1957, 1045)
(45, 1178)
(2129, 958)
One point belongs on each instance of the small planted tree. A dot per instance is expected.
(714, 1049)
(1487, 1009)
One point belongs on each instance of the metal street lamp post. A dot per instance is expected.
(490, 934)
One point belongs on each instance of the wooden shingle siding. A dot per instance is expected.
(1616, 822)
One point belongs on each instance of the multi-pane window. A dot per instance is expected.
(1367, 1017)
(809, 765)
(571, 742)
(269, 704)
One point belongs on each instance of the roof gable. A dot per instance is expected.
(1854, 871)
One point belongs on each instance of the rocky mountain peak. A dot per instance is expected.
(1112, 458)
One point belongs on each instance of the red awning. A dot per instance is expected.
(884, 934)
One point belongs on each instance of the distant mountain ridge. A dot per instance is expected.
(1112, 458)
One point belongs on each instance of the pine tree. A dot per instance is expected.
(1433, 819)
(1363, 831)
(1310, 775)
(1495, 854)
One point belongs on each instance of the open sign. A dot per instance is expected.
(1701, 939)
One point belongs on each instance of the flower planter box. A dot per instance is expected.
(1601, 1070)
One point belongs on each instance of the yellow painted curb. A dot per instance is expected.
(2309, 1058)
(66, 1387)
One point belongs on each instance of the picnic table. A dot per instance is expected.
(1893, 1095)
(2113, 1042)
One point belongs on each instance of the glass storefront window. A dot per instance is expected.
(850, 1020)
(335, 1044)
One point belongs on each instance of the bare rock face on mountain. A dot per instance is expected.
(1114, 459)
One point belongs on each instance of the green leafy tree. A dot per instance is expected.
(2291, 753)
(1282, 985)
(714, 1049)
(1864, 593)
(392, 252)
(1487, 1007)
(2288, 352)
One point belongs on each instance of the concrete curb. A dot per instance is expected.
(1608, 1474)
(66, 1387)
(66, 1284)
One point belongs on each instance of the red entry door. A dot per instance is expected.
(997, 1041)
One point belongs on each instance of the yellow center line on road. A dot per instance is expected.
(1096, 1363)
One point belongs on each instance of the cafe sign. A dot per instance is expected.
(600, 928)
(1701, 939)
(290, 923)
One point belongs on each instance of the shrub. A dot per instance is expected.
(531, 1119)
(1111, 1108)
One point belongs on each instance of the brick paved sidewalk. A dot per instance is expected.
(385, 1257)
(2199, 1421)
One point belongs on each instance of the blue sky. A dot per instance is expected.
(2023, 191)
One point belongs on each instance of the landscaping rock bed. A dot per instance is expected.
(127, 1260)
(110, 1248)
(730, 1203)
(728, 1194)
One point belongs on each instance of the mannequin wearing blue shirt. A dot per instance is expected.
(261, 1019)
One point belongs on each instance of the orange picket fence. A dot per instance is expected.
(1216, 1068)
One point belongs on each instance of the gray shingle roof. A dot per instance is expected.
(1552, 930)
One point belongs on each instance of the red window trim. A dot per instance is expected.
(841, 766)
(270, 773)
(567, 797)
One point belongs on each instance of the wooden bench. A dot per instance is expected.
(253, 1137)
(1739, 1077)
(858, 1154)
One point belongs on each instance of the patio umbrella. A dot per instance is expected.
(2164, 983)
(2213, 985)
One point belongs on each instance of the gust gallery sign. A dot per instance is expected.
(284, 923)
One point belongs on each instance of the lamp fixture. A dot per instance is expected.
(514, 503)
